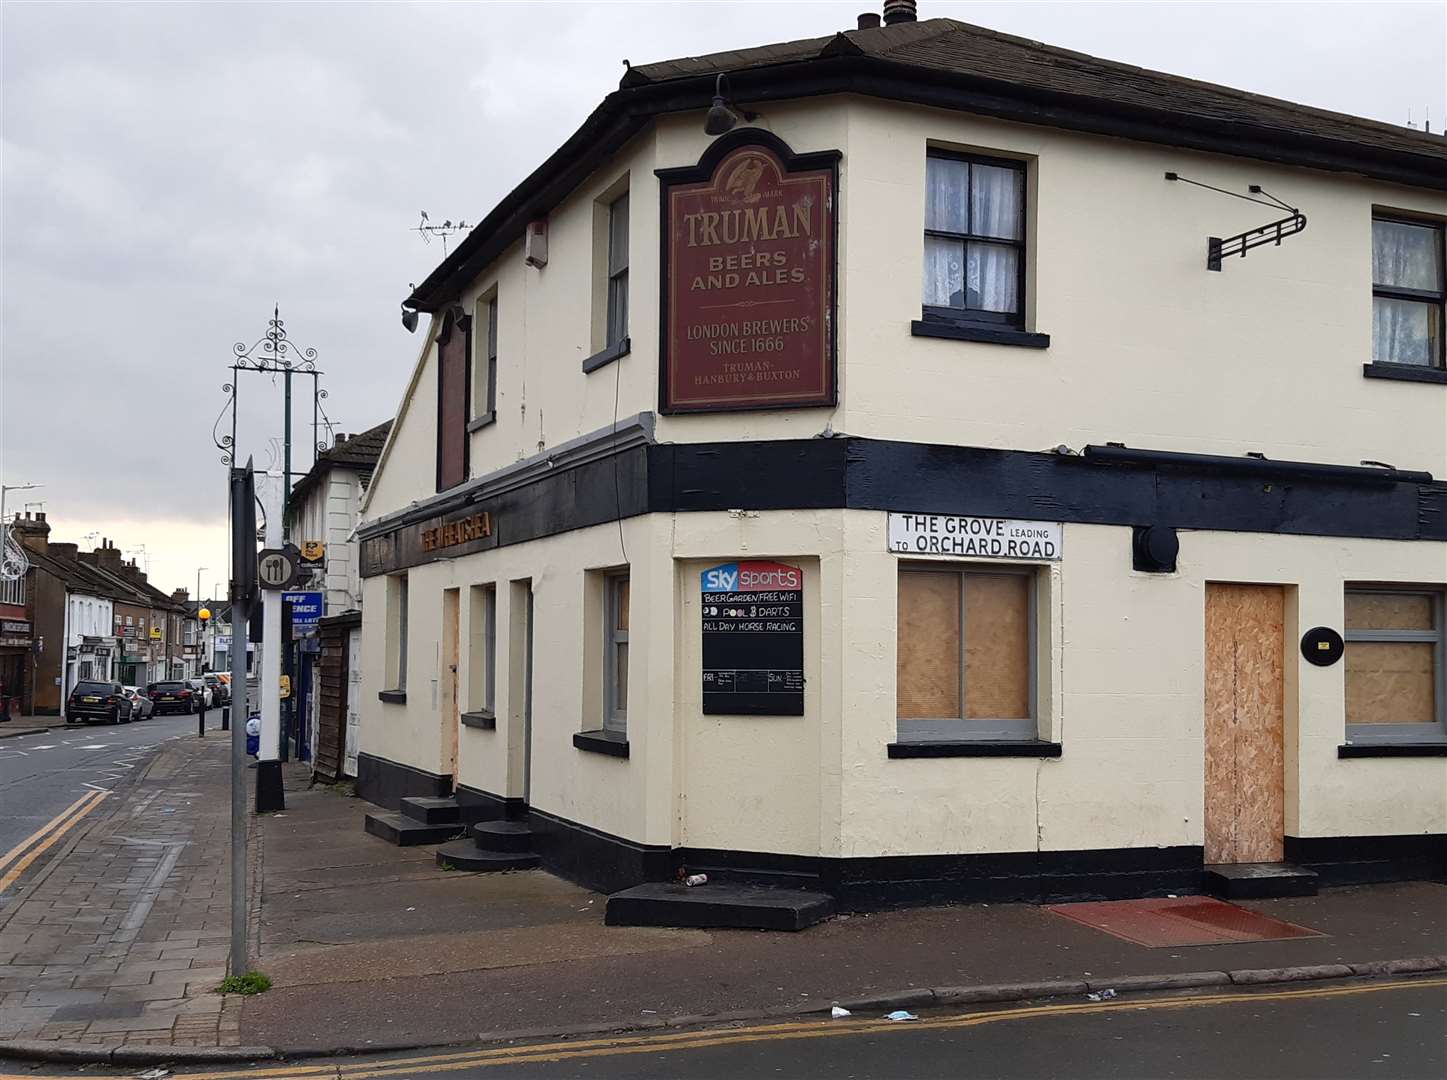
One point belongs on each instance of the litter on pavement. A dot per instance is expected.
(901, 1014)
(839, 1013)
(1104, 995)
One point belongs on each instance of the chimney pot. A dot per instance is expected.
(898, 11)
(40, 515)
(868, 20)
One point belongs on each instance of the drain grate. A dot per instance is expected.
(1177, 921)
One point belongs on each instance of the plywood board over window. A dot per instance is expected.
(1395, 683)
(965, 654)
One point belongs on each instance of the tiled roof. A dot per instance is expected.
(950, 46)
(358, 453)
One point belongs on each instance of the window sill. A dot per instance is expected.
(602, 742)
(1405, 373)
(392, 697)
(991, 335)
(974, 748)
(607, 356)
(481, 422)
(482, 720)
(1388, 749)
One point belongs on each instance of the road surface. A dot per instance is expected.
(51, 781)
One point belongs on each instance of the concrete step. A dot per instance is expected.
(1259, 881)
(508, 836)
(466, 855)
(431, 810)
(405, 832)
(724, 904)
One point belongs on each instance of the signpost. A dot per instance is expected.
(753, 639)
(243, 589)
(749, 275)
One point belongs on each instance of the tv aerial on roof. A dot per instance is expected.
(426, 229)
(1271, 233)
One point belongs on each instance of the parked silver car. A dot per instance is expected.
(141, 706)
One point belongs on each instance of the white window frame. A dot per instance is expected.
(615, 714)
(958, 728)
(484, 359)
(482, 665)
(397, 631)
(615, 331)
(1436, 731)
(12, 591)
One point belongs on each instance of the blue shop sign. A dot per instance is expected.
(306, 612)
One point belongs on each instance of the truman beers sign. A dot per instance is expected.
(748, 281)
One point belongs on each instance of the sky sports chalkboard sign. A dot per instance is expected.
(753, 640)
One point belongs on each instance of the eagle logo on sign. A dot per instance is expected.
(745, 178)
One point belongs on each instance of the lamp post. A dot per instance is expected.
(203, 614)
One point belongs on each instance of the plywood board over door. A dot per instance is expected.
(1245, 769)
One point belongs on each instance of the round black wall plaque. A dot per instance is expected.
(1322, 646)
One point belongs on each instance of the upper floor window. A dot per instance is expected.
(1408, 293)
(617, 271)
(12, 590)
(484, 379)
(974, 239)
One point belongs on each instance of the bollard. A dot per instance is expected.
(201, 718)
(226, 718)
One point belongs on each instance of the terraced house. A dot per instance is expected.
(919, 463)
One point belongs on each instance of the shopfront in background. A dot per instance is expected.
(16, 646)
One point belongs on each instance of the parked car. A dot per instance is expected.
(201, 693)
(173, 696)
(98, 702)
(220, 690)
(141, 707)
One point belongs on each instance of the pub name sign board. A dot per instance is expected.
(748, 281)
(753, 639)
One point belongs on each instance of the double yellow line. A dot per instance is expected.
(18, 859)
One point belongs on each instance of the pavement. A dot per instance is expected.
(117, 933)
(355, 933)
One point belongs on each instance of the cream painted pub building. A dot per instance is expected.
(893, 465)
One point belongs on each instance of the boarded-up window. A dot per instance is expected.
(1394, 664)
(965, 662)
(452, 400)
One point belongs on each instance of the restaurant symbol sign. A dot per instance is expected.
(748, 278)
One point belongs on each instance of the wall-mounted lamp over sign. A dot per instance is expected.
(722, 115)
(1271, 233)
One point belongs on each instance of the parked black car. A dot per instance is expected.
(173, 696)
(99, 702)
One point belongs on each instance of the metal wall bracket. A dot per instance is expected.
(1271, 233)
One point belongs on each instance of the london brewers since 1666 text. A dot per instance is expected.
(753, 639)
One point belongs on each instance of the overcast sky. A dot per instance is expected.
(170, 170)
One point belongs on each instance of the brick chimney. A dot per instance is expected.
(181, 596)
(68, 552)
(107, 557)
(33, 532)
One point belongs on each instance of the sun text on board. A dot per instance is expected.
(974, 537)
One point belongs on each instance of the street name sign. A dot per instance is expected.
(975, 537)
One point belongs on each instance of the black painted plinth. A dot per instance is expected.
(466, 855)
(1259, 881)
(659, 903)
(407, 832)
(431, 810)
(270, 794)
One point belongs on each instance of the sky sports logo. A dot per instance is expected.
(751, 577)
